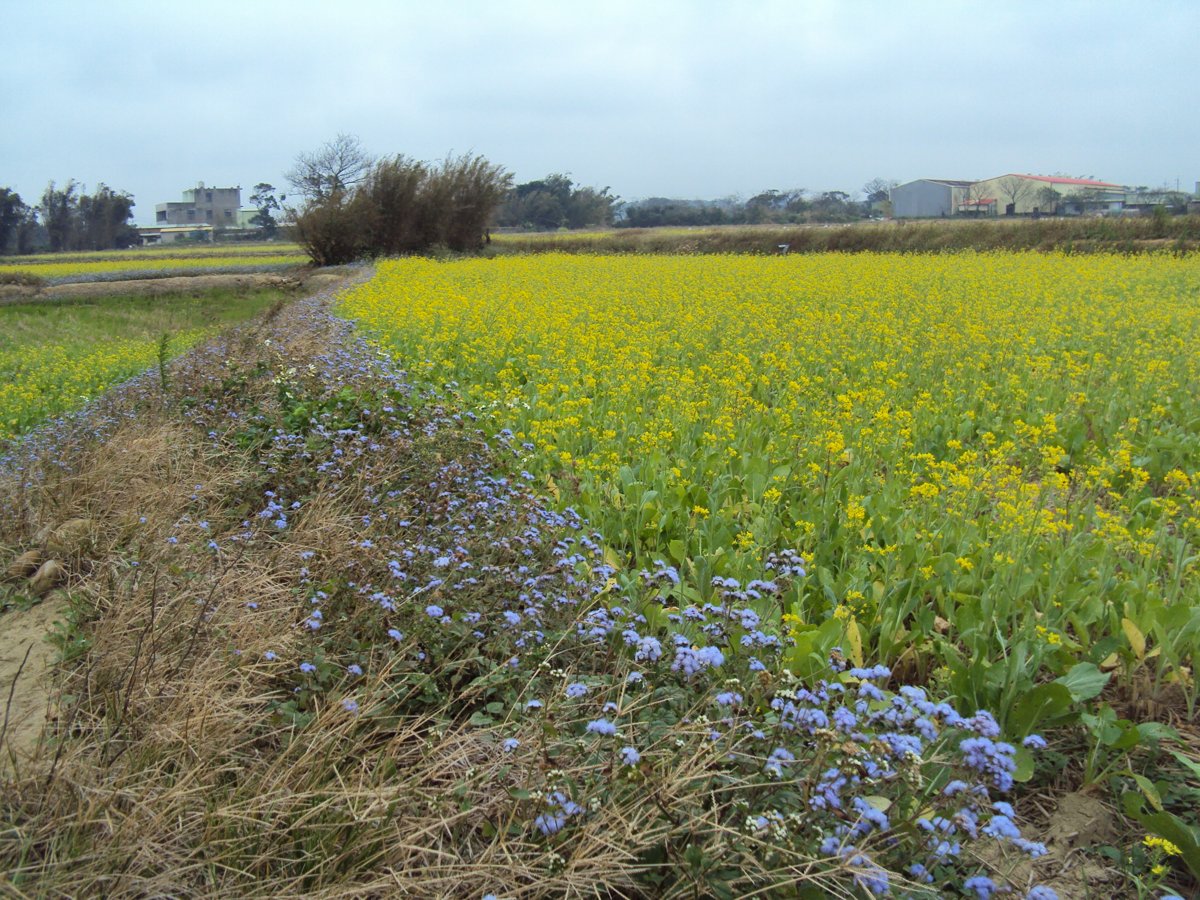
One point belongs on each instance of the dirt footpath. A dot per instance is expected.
(305, 279)
(26, 662)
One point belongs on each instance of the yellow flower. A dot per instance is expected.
(1157, 843)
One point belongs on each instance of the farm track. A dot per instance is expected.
(174, 284)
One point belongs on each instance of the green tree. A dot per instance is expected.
(75, 220)
(60, 215)
(556, 202)
(266, 205)
(13, 212)
(104, 220)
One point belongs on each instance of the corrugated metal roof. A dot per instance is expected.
(1055, 179)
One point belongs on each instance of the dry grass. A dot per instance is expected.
(1135, 235)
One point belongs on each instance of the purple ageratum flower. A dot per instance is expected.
(576, 689)
(534, 704)
(350, 706)
(602, 726)
(434, 611)
(919, 873)
(984, 724)
(270, 656)
(872, 877)
(649, 649)
(550, 823)
(830, 846)
(844, 719)
(871, 673)
(983, 886)
(630, 756)
(729, 698)
(354, 669)
(511, 744)
(1034, 742)
(396, 634)
(1034, 849)
(307, 667)
(1041, 892)
(870, 818)
(710, 657)
(1001, 827)
(690, 662)
(779, 758)
(990, 757)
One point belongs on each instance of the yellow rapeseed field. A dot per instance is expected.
(992, 461)
(39, 382)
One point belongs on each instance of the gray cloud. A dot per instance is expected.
(679, 98)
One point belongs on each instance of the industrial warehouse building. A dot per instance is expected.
(1018, 195)
(928, 198)
(1005, 195)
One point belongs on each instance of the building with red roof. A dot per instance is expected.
(1018, 195)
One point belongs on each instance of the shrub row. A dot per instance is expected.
(404, 206)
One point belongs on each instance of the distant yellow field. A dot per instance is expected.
(138, 264)
(178, 250)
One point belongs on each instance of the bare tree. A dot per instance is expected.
(877, 190)
(334, 168)
(1014, 189)
(974, 199)
(1048, 200)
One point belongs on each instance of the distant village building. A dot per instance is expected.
(200, 216)
(201, 205)
(928, 198)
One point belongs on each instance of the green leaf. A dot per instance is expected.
(1024, 760)
(1150, 791)
(1187, 763)
(1045, 703)
(1084, 680)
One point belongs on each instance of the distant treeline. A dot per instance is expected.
(1134, 235)
(790, 207)
(556, 202)
(66, 218)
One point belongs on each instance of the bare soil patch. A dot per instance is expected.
(26, 673)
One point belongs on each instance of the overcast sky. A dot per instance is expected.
(652, 98)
